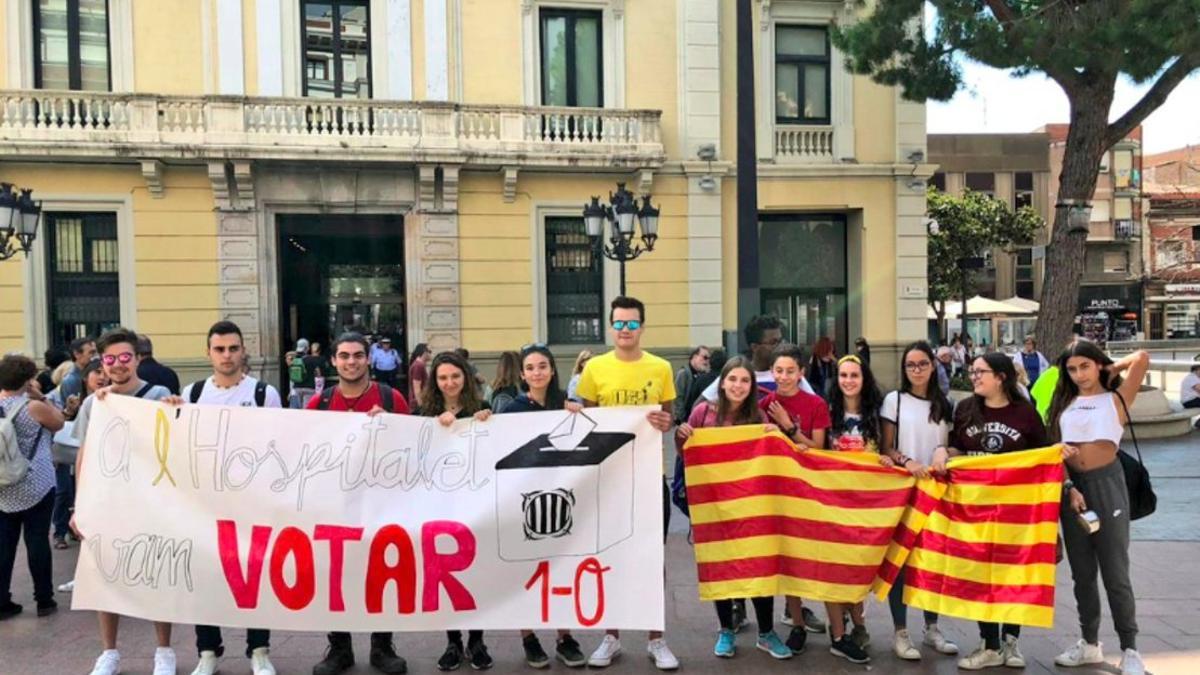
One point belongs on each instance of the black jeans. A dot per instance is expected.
(764, 607)
(387, 377)
(64, 498)
(35, 522)
(1194, 403)
(991, 633)
(473, 637)
(343, 639)
(208, 639)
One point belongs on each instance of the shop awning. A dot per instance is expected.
(1023, 303)
(980, 306)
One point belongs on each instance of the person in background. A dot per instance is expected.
(581, 360)
(960, 354)
(508, 380)
(301, 384)
(916, 423)
(1034, 361)
(26, 505)
(698, 363)
(762, 334)
(717, 359)
(1022, 380)
(418, 372)
(150, 370)
(64, 466)
(385, 362)
(485, 390)
(316, 370)
(736, 405)
(822, 368)
(863, 350)
(82, 351)
(945, 368)
(1189, 389)
(53, 358)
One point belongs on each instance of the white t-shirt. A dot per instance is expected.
(242, 395)
(918, 436)
(763, 378)
(1187, 389)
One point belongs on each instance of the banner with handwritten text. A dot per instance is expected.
(300, 520)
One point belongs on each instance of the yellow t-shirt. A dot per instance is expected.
(610, 381)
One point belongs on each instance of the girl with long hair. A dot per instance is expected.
(997, 419)
(916, 423)
(508, 380)
(577, 372)
(854, 409)
(736, 405)
(1089, 412)
(451, 393)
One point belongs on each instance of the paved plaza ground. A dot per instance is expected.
(1166, 552)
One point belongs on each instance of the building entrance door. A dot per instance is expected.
(340, 273)
(802, 267)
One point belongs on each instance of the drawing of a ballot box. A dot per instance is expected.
(568, 492)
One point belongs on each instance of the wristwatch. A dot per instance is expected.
(1068, 485)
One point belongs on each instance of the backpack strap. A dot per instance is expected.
(326, 398)
(144, 390)
(385, 397)
(260, 393)
(195, 392)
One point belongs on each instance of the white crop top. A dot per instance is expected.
(1091, 418)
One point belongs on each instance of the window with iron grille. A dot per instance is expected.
(82, 274)
(71, 50)
(574, 284)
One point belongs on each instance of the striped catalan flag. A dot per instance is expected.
(986, 552)
(768, 519)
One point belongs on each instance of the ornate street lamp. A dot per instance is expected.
(1079, 214)
(620, 214)
(19, 217)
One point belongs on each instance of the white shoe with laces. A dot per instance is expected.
(164, 661)
(109, 663)
(609, 649)
(935, 639)
(903, 647)
(1131, 663)
(661, 654)
(1081, 654)
(981, 658)
(260, 662)
(1011, 653)
(207, 665)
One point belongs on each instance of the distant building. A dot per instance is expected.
(1172, 191)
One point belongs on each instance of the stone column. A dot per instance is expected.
(238, 276)
(431, 249)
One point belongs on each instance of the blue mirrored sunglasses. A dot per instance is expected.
(632, 324)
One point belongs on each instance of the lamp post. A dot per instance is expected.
(19, 217)
(1079, 214)
(620, 213)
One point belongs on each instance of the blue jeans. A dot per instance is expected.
(899, 609)
(64, 499)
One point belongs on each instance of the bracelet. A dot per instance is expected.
(1068, 485)
(905, 461)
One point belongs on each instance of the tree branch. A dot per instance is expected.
(1005, 14)
(1009, 19)
(1153, 98)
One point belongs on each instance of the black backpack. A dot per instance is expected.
(260, 393)
(385, 397)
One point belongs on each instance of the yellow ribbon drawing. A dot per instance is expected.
(162, 446)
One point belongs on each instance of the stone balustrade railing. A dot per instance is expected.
(75, 123)
(803, 143)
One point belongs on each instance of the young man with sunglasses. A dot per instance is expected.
(625, 376)
(228, 385)
(118, 358)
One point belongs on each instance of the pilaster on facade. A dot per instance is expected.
(238, 273)
(432, 248)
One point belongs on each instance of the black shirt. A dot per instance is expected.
(150, 370)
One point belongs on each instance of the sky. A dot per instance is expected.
(993, 101)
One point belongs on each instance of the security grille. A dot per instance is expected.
(574, 284)
(82, 274)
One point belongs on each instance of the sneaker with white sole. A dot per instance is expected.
(771, 644)
(811, 623)
(164, 661)
(903, 647)
(609, 649)
(981, 658)
(1081, 654)
(1011, 653)
(1131, 663)
(109, 663)
(260, 662)
(67, 587)
(661, 654)
(935, 639)
(726, 645)
(208, 663)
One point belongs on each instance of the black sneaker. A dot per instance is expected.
(796, 640)
(47, 608)
(811, 623)
(860, 636)
(452, 658)
(384, 657)
(339, 658)
(10, 609)
(849, 650)
(480, 659)
(535, 656)
(569, 653)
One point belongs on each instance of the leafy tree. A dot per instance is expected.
(967, 226)
(1082, 45)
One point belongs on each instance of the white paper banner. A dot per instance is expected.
(301, 520)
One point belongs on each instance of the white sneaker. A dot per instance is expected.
(904, 648)
(935, 639)
(1080, 654)
(1011, 653)
(981, 658)
(164, 661)
(67, 587)
(109, 663)
(1131, 663)
(260, 663)
(660, 653)
(207, 665)
(609, 649)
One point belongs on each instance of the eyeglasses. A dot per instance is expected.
(632, 324)
(123, 357)
(917, 367)
(978, 372)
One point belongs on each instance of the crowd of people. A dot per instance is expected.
(816, 398)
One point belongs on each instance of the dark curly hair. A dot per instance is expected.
(433, 402)
(869, 402)
(16, 370)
